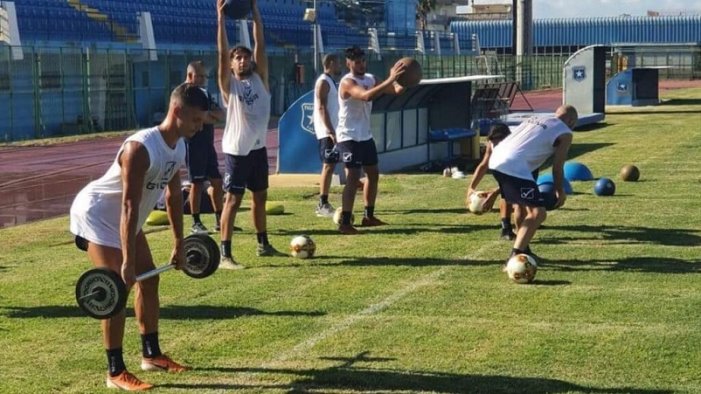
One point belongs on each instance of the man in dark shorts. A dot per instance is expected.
(243, 83)
(354, 137)
(517, 156)
(325, 122)
(202, 163)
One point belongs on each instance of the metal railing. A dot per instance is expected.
(50, 91)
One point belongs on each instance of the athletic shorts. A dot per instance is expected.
(246, 172)
(202, 163)
(355, 154)
(328, 153)
(519, 191)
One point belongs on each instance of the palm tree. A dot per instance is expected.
(423, 8)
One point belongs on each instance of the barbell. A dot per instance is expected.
(101, 292)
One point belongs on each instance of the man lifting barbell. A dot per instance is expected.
(108, 214)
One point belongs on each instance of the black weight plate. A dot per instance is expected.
(111, 292)
(202, 254)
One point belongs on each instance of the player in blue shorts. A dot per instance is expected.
(243, 83)
(353, 135)
(526, 149)
(202, 163)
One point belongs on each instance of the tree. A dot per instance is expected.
(423, 8)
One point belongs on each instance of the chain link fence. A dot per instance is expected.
(67, 91)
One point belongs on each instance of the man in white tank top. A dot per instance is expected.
(354, 137)
(107, 216)
(243, 83)
(516, 157)
(325, 122)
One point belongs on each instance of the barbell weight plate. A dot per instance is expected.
(202, 256)
(215, 255)
(101, 293)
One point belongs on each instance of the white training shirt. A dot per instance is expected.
(354, 115)
(247, 116)
(527, 147)
(331, 107)
(97, 209)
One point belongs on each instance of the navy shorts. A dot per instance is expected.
(246, 172)
(328, 153)
(519, 191)
(355, 154)
(202, 163)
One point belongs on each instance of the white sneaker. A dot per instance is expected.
(325, 210)
(199, 228)
(228, 263)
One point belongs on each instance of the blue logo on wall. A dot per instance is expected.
(622, 87)
(307, 117)
(579, 73)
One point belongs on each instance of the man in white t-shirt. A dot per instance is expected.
(325, 122)
(107, 216)
(517, 156)
(243, 82)
(354, 137)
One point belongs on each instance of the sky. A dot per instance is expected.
(590, 8)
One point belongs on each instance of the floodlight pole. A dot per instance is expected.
(316, 43)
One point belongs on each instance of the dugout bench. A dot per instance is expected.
(422, 125)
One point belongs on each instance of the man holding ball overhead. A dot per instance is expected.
(243, 82)
(354, 137)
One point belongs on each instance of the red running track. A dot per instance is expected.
(40, 182)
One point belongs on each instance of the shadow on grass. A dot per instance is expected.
(171, 312)
(681, 101)
(347, 377)
(635, 264)
(626, 234)
(593, 126)
(394, 230)
(414, 262)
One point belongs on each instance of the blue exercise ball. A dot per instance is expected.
(237, 9)
(545, 178)
(604, 187)
(575, 171)
(547, 191)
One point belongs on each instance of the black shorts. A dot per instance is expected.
(358, 153)
(328, 153)
(519, 191)
(202, 163)
(246, 172)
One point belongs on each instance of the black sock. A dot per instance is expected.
(196, 218)
(218, 216)
(506, 224)
(323, 199)
(226, 248)
(346, 217)
(115, 361)
(149, 345)
(515, 251)
(262, 238)
(369, 212)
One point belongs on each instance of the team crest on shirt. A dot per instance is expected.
(579, 73)
(307, 122)
(249, 96)
(527, 193)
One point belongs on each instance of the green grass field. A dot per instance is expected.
(417, 306)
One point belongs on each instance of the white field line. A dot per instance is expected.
(373, 309)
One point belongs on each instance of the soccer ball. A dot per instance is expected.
(337, 216)
(302, 247)
(476, 202)
(521, 268)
